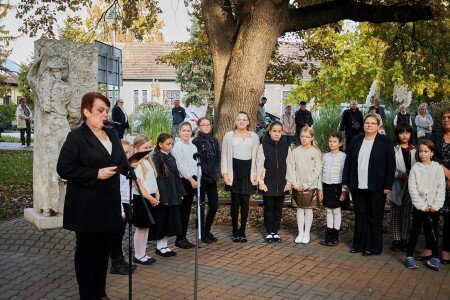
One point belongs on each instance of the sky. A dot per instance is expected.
(174, 15)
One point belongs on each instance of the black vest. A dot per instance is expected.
(275, 164)
(403, 118)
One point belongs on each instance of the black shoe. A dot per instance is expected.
(189, 244)
(181, 243)
(212, 237)
(171, 252)
(366, 253)
(326, 239)
(236, 239)
(276, 238)
(206, 240)
(243, 239)
(334, 240)
(268, 238)
(396, 246)
(165, 254)
(352, 250)
(148, 262)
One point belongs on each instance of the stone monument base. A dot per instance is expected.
(37, 219)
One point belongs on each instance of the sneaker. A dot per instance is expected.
(434, 264)
(411, 263)
(276, 238)
(268, 238)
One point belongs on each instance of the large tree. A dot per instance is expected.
(243, 34)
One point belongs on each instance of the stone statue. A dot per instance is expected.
(56, 112)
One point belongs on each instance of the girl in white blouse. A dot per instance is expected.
(184, 151)
(307, 183)
(332, 193)
(146, 178)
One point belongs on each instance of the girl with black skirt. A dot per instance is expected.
(332, 194)
(146, 178)
(274, 158)
(167, 213)
(209, 150)
(238, 167)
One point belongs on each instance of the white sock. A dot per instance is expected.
(164, 240)
(329, 218)
(308, 220)
(337, 218)
(160, 244)
(140, 242)
(300, 224)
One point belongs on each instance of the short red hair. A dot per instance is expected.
(87, 101)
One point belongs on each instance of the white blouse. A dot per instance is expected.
(149, 182)
(184, 155)
(107, 144)
(333, 165)
(363, 163)
(124, 189)
(242, 148)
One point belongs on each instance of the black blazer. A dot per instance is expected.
(118, 116)
(91, 205)
(381, 164)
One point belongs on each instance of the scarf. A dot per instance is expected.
(207, 141)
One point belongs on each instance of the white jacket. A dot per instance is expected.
(399, 186)
(20, 117)
(426, 185)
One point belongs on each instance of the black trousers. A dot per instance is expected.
(116, 247)
(91, 263)
(22, 135)
(446, 232)
(425, 220)
(186, 206)
(369, 210)
(208, 188)
(239, 201)
(273, 210)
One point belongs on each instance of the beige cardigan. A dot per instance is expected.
(226, 163)
(307, 168)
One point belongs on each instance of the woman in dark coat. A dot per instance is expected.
(369, 174)
(87, 161)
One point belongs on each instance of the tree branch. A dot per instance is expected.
(330, 12)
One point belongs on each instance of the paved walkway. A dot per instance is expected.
(39, 265)
(14, 146)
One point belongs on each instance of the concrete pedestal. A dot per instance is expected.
(37, 219)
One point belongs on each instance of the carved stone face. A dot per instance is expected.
(57, 73)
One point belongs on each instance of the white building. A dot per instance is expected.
(145, 80)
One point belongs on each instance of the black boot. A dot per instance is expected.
(326, 240)
(335, 238)
(120, 266)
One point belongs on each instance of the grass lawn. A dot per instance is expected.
(16, 182)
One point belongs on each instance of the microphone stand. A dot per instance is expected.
(199, 228)
(131, 176)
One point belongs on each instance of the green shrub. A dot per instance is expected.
(7, 113)
(151, 119)
(327, 123)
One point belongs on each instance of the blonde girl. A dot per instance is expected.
(307, 183)
(146, 179)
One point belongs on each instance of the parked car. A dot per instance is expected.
(192, 118)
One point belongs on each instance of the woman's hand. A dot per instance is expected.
(153, 201)
(106, 173)
(263, 187)
(226, 179)
(321, 196)
(430, 208)
(193, 182)
(287, 187)
(343, 196)
(386, 192)
(300, 188)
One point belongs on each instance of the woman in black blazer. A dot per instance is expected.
(87, 161)
(369, 172)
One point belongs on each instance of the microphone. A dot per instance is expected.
(111, 123)
(197, 155)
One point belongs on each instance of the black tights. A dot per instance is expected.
(239, 201)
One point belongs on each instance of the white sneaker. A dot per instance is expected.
(23, 146)
(299, 238)
(305, 239)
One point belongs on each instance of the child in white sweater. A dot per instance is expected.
(426, 185)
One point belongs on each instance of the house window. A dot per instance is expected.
(170, 95)
(18, 99)
(285, 94)
(135, 98)
(6, 99)
(144, 96)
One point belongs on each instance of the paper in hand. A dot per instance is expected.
(134, 158)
